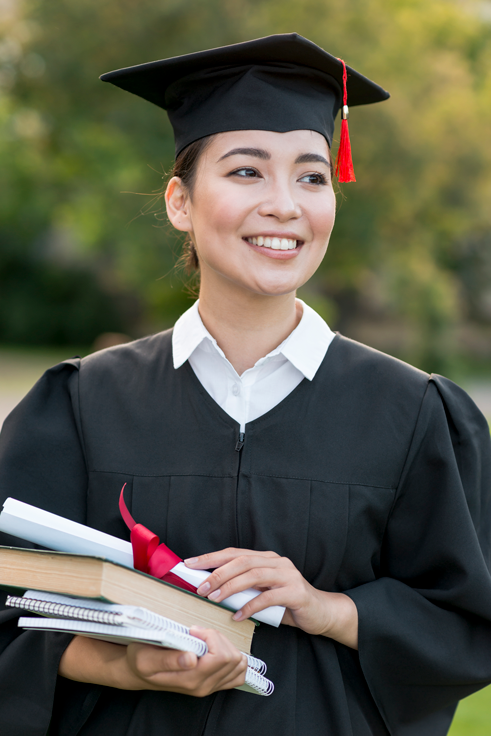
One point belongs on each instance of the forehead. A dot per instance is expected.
(284, 145)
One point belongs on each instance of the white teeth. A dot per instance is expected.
(275, 243)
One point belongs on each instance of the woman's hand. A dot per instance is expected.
(315, 611)
(147, 667)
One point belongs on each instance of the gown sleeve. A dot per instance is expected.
(42, 463)
(425, 624)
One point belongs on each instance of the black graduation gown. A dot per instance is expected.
(374, 479)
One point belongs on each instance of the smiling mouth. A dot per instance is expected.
(275, 243)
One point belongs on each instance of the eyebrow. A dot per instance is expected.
(256, 152)
(304, 158)
(309, 158)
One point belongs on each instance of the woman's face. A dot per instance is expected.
(262, 210)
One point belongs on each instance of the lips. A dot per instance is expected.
(274, 243)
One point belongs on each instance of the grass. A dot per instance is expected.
(473, 717)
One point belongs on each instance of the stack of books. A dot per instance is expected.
(93, 596)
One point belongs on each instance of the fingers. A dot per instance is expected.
(243, 564)
(223, 667)
(219, 588)
(277, 579)
(272, 597)
(234, 678)
(221, 557)
(147, 660)
(230, 665)
(249, 571)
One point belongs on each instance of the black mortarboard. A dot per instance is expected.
(279, 83)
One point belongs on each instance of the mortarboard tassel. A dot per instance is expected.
(344, 161)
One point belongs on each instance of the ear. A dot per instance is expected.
(177, 204)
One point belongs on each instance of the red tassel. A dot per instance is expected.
(344, 161)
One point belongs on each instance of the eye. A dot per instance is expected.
(316, 178)
(247, 172)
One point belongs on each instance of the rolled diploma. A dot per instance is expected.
(271, 615)
(55, 532)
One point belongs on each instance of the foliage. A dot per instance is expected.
(412, 235)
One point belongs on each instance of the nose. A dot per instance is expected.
(279, 202)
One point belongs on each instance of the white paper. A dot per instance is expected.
(123, 634)
(55, 532)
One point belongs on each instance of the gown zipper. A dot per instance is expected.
(240, 443)
(216, 705)
(238, 448)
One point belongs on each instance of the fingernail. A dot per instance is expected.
(204, 588)
(197, 628)
(237, 616)
(216, 594)
(185, 659)
(191, 561)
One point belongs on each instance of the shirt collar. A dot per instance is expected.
(305, 347)
(189, 332)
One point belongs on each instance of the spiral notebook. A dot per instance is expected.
(122, 625)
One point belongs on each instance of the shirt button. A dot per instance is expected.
(236, 390)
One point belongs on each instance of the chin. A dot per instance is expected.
(274, 289)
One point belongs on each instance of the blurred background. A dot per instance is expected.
(86, 254)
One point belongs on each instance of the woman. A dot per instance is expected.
(351, 488)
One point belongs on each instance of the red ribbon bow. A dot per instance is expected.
(149, 554)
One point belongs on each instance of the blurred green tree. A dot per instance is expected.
(412, 236)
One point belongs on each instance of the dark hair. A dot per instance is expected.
(186, 168)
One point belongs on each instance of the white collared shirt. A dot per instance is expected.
(268, 382)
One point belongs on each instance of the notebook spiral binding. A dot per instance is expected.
(115, 618)
(64, 611)
(186, 642)
(154, 621)
(174, 631)
(256, 664)
(258, 682)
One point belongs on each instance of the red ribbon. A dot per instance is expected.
(149, 554)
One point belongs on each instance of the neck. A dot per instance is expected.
(247, 326)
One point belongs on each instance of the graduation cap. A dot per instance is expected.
(279, 83)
